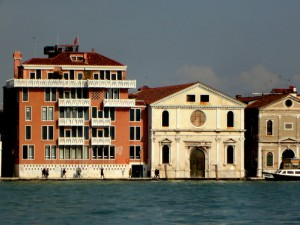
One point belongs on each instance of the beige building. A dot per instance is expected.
(195, 131)
(273, 131)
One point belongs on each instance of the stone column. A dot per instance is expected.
(259, 162)
(177, 156)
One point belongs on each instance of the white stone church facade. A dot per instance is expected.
(195, 131)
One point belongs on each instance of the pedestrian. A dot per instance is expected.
(130, 173)
(64, 173)
(78, 172)
(102, 173)
(44, 172)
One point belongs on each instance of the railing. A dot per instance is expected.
(42, 83)
(101, 122)
(101, 141)
(70, 141)
(70, 122)
(119, 102)
(74, 102)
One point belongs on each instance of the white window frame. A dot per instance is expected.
(47, 113)
(135, 119)
(30, 152)
(47, 134)
(135, 150)
(28, 114)
(50, 152)
(285, 126)
(135, 133)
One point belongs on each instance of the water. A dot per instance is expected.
(149, 202)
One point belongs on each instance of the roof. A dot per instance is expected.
(266, 100)
(150, 95)
(93, 59)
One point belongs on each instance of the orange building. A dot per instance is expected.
(71, 112)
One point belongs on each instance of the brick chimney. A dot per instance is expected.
(17, 62)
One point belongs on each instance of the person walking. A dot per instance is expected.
(102, 173)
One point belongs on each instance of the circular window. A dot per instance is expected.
(198, 118)
(288, 103)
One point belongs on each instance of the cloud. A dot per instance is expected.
(257, 79)
(204, 74)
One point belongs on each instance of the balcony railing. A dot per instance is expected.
(68, 102)
(70, 141)
(101, 122)
(101, 141)
(42, 83)
(119, 102)
(70, 122)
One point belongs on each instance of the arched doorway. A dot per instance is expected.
(288, 153)
(197, 163)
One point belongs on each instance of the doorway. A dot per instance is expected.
(137, 171)
(197, 163)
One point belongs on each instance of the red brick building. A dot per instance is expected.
(71, 111)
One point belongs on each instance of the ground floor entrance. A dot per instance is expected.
(197, 163)
(137, 171)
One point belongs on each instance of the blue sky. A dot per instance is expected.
(234, 46)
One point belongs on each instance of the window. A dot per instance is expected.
(47, 132)
(104, 152)
(165, 154)
(73, 152)
(50, 94)
(86, 133)
(230, 154)
(119, 75)
(269, 159)
(50, 152)
(135, 152)
(107, 75)
(198, 118)
(269, 127)
(28, 152)
(112, 93)
(135, 133)
(114, 76)
(135, 114)
(79, 76)
(27, 113)
(47, 113)
(27, 132)
(288, 126)
(288, 103)
(204, 98)
(190, 98)
(230, 119)
(25, 94)
(72, 76)
(101, 74)
(165, 118)
(96, 76)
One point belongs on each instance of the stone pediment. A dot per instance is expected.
(288, 140)
(230, 141)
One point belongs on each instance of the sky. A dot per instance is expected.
(234, 46)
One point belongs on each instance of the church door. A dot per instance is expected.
(197, 163)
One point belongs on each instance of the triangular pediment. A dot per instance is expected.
(230, 141)
(288, 140)
(214, 98)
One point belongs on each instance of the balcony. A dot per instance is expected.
(70, 141)
(119, 102)
(68, 102)
(70, 122)
(51, 83)
(101, 122)
(101, 141)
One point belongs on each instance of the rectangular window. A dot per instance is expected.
(25, 94)
(135, 114)
(96, 76)
(28, 152)
(72, 76)
(119, 75)
(47, 113)
(50, 94)
(79, 76)
(86, 133)
(47, 132)
(104, 152)
(38, 74)
(135, 133)
(32, 75)
(107, 75)
(27, 132)
(190, 98)
(112, 132)
(204, 98)
(288, 126)
(135, 152)
(113, 76)
(27, 113)
(101, 74)
(50, 152)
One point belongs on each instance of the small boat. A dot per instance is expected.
(283, 174)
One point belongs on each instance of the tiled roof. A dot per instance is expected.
(266, 100)
(150, 95)
(93, 59)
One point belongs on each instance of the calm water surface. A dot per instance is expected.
(149, 202)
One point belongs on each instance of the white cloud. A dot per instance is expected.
(204, 74)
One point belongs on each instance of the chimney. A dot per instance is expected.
(85, 57)
(17, 62)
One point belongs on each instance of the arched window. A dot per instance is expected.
(269, 159)
(230, 154)
(230, 119)
(165, 154)
(165, 119)
(269, 127)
